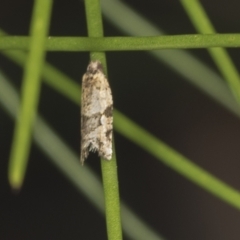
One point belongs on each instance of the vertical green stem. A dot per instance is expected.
(109, 168)
(30, 93)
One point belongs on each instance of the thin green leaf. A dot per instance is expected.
(176, 161)
(126, 43)
(109, 168)
(220, 56)
(30, 93)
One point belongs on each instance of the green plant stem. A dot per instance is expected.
(126, 43)
(220, 56)
(109, 168)
(30, 93)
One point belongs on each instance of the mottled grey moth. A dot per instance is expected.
(96, 113)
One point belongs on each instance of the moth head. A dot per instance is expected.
(94, 66)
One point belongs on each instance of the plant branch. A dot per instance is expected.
(109, 168)
(30, 93)
(125, 43)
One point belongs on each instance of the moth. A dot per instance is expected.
(96, 113)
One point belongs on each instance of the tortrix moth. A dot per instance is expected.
(96, 113)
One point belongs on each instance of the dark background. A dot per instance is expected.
(49, 207)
